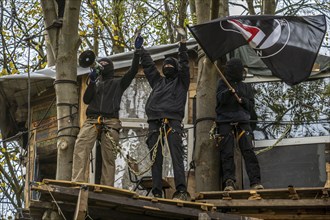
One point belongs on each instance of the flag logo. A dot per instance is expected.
(268, 41)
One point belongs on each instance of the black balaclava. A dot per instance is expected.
(234, 70)
(108, 70)
(170, 72)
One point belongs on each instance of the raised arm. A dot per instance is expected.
(90, 91)
(131, 73)
(184, 72)
(149, 68)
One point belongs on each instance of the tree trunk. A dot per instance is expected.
(169, 22)
(251, 7)
(223, 8)
(64, 44)
(269, 7)
(182, 16)
(49, 12)
(192, 7)
(66, 89)
(206, 156)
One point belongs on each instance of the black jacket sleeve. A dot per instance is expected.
(89, 93)
(184, 72)
(247, 95)
(131, 73)
(224, 95)
(152, 74)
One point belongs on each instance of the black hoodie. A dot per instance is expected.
(168, 96)
(104, 96)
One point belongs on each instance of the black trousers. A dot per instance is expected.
(174, 137)
(229, 133)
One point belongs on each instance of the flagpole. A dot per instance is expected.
(227, 83)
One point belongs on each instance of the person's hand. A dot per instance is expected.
(92, 75)
(138, 41)
(244, 101)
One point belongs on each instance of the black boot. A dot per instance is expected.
(230, 185)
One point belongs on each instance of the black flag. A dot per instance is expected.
(288, 45)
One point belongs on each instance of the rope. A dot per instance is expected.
(88, 217)
(214, 136)
(288, 128)
(117, 149)
(58, 207)
(74, 82)
(166, 146)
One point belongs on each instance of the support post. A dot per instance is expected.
(327, 165)
(82, 204)
(327, 183)
(203, 216)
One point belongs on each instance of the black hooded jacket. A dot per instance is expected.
(104, 96)
(228, 109)
(168, 96)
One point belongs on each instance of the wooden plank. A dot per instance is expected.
(282, 193)
(271, 203)
(202, 205)
(288, 217)
(45, 123)
(327, 168)
(99, 188)
(39, 112)
(37, 208)
(46, 134)
(142, 206)
(285, 214)
(82, 204)
(114, 190)
(30, 163)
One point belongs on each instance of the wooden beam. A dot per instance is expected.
(282, 193)
(82, 204)
(163, 207)
(270, 203)
(327, 183)
(277, 216)
(203, 216)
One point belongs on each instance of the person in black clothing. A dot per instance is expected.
(233, 125)
(103, 97)
(165, 110)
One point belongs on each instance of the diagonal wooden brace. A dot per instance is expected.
(327, 183)
(82, 203)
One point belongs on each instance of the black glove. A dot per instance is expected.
(245, 103)
(138, 41)
(244, 100)
(92, 75)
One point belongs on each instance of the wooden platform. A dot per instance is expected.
(74, 200)
(290, 203)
